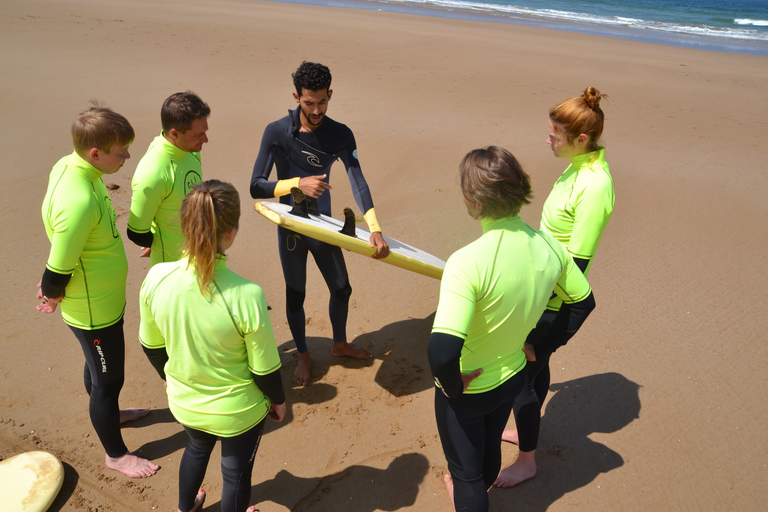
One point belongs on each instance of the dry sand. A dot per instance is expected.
(658, 404)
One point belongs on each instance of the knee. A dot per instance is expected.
(342, 295)
(294, 300)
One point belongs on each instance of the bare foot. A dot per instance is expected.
(449, 487)
(510, 436)
(341, 348)
(132, 413)
(522, 469)
(303, 373)
(131, 465)
(199, 500)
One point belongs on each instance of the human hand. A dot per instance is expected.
(277, 412)
(382, 247)
(47, 305)
(145, 252)
(313, 186)
(467, 378)
(530, 354)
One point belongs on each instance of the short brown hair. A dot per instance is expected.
(581, 115)
(101, 128)
(494, 178)
(180, 109)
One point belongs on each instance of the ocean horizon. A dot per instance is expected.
(736, 26)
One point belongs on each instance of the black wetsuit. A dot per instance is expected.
(297, 154)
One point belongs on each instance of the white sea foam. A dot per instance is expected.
(747, 21)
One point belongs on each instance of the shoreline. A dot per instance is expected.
(675, 39)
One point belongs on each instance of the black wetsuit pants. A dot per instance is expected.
(104, 374)
(528, 414)
(237, 456)
(294, 249)
(470, 428)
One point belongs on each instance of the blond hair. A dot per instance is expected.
(580, 115)
(208, 213)
(494, 178)
(101, 128)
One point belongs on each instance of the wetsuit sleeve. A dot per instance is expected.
(360, 189)
(71, 228)
(261, 187)
(568, 321)
(260, 343)
(592, 210)
(157, 358)
(444, 354)
(149, 333)
(140, 239)
(53, 284)
(149, 189)
(572, 286)
(271, 385)
(582, 264)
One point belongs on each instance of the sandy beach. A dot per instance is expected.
(657, 404)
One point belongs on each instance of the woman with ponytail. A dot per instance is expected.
(575, 213)
(207, 332)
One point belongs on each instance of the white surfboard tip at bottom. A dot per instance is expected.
(30, 482)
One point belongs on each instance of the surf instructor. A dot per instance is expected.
(302, 146)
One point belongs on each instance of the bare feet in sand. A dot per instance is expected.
(132, 413)
(303, 373)
(342, 349)
(449, 487)
(199, 500)
(521, 470)
(131, 465)
(509, 435)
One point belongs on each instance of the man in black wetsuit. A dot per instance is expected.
(302, 147)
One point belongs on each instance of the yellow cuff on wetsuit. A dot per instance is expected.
(283, 187)
(372, 221)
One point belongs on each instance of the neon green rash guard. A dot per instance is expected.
(579, 207)
(213, 345)
(163, 178)
(493, 292)
(81, 225)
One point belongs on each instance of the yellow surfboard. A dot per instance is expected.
(327, 229)
(29, 482)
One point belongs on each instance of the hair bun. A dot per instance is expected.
(592, 97)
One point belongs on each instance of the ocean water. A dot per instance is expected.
(737, 26)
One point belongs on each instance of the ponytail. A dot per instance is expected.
(208, 213)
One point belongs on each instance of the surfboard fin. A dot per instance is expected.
(349, 223)
(303, 205)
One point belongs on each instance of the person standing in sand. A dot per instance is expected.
(207, 332)
(576, 213)
(303, 146)
(165, 174)
(488, 304)
(87, 269)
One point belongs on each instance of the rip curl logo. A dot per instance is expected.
(354, 154)
(190, 180)
(97, 344)
(112, 216)
(312, 159)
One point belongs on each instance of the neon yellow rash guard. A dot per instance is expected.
(163, 178)
(493, 292)
(81, 225)
(579, 207)
(214, 345)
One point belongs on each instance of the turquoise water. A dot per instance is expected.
(738, 26)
